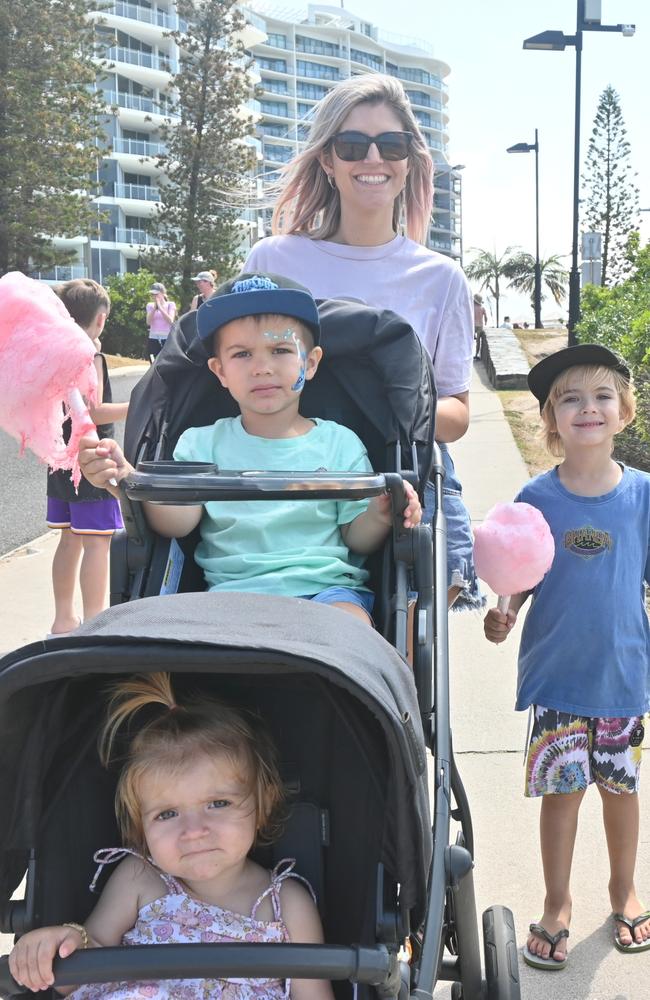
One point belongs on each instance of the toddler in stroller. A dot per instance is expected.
(262, 335)
(198, 787)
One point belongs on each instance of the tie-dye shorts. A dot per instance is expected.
(567, 752)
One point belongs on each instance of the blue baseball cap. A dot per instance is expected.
(256, 294)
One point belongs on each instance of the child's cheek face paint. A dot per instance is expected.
(290, 336)
(299, 384)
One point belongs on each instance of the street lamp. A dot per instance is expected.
(587, 19)
(527, 147)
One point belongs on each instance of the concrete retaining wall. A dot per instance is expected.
(504, 359)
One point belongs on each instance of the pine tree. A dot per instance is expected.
(207, 162)
(50, 129)
(610, 194)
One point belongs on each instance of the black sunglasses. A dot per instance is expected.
(352, 146)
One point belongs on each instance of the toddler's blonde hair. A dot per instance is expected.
(168, 741)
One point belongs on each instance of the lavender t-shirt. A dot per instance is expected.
(428, 289)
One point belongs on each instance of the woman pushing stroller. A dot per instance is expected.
(198, 789)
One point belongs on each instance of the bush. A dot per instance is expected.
(126, 332)
(619, 317)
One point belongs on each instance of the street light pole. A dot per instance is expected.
(574, 274)
(557, 41)
(527, 147)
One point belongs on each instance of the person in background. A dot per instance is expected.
(480, 319)
(87, 517)
(161, 313)
(205, 282)
(506, 325)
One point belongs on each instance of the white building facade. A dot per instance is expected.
(299, 55)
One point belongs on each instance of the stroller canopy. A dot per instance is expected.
(273, 643)
(375, 377)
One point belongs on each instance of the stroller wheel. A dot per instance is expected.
(501, 966)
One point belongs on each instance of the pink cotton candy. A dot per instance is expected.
(513, 548)
(44, 356)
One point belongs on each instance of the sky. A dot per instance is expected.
(499, 94)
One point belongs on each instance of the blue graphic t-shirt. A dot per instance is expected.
(585, 646)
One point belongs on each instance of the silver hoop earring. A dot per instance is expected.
(331, 181)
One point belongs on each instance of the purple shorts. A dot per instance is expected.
(87, 517)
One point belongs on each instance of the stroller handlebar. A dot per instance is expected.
(199, 482)
(372, 965)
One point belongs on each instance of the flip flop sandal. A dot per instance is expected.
(634, 946)
(547, 964)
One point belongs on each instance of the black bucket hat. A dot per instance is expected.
(542, 376)
(253, 295)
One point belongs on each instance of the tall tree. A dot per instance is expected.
(488, 269)
(610, 195)
(206, 163)
(521, 271)
(50, 129)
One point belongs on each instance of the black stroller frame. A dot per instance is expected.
(353, 686)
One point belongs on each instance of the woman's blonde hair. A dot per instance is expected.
(169, 740)
(307, 204)
(589, 377)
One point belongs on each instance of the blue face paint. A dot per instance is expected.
(291, 336)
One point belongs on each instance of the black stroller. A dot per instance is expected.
(351, 726)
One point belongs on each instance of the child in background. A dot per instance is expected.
(198, 789)
(585, 647)
(87, 518)
(262, 332)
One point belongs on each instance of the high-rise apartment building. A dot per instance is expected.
(299, 55)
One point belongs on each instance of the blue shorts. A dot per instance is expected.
(460, 545)
(87, 517)
(345, 595)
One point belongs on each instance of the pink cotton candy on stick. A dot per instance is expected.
(513, 549)
(46, 360)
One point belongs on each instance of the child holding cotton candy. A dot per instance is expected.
(86, 517)
(585, 647)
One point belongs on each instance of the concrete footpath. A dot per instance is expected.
(489, 739)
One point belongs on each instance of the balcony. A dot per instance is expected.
(61, 273)
(137, 102)
(316, 48)
(146, 14)
(136, 237)
(316, 71)
(147, 60)
(139, 192)
(136, 147)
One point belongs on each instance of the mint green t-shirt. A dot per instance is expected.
(292, 548)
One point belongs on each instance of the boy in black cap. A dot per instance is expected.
(262, 332)
(585, 647)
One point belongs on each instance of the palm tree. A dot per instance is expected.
(554, 275)
(488, 268)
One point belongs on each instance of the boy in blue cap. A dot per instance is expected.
(263, 334)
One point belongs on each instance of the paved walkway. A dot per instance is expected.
(489, 738)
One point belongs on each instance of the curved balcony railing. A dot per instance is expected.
(146, 14)
(139, 192)
(135, 237)
(61, 273)
(138, 102)
(149, 60)
(136, 147)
